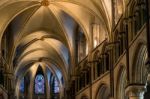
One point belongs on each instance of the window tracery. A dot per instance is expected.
(39, 84)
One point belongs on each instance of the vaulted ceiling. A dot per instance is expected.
(46, 33)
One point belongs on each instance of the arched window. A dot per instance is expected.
(22, 85)
(56, 86)
(39, 84)
(103, 92)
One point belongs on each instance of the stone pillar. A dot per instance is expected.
(130, 28)
(47, 86)
(8, 79)
(135, 91)
(11, 85)
(30, 89)
(104, 60)
(5, 81)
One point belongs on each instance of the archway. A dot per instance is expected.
(43, 83)
(121, 83)
(103, 92)
(139, 72)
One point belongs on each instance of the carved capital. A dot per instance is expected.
(135, 90)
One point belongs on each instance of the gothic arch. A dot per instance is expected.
(121, 82)
(139, 73)
(132, 7)
(102, 92)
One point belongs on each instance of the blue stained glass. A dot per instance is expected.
(56, 86)
(22, 85)
(39, 84)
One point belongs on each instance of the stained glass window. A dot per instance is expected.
(22, 85)
(39, 84)
(56, 86)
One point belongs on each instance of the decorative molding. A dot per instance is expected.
(135, 90)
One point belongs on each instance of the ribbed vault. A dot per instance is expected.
(45, 34)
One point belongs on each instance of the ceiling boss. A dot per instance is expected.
(44, 2)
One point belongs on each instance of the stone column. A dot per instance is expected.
(135, 91)
(30, 89)
(130, 28)
(47, 86)
(6, 80)
(11, 85)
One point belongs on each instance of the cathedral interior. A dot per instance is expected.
(74, 49)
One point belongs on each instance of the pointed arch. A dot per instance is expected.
(139, 73)
(103, 92)
(121, 82)
(39, 81)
